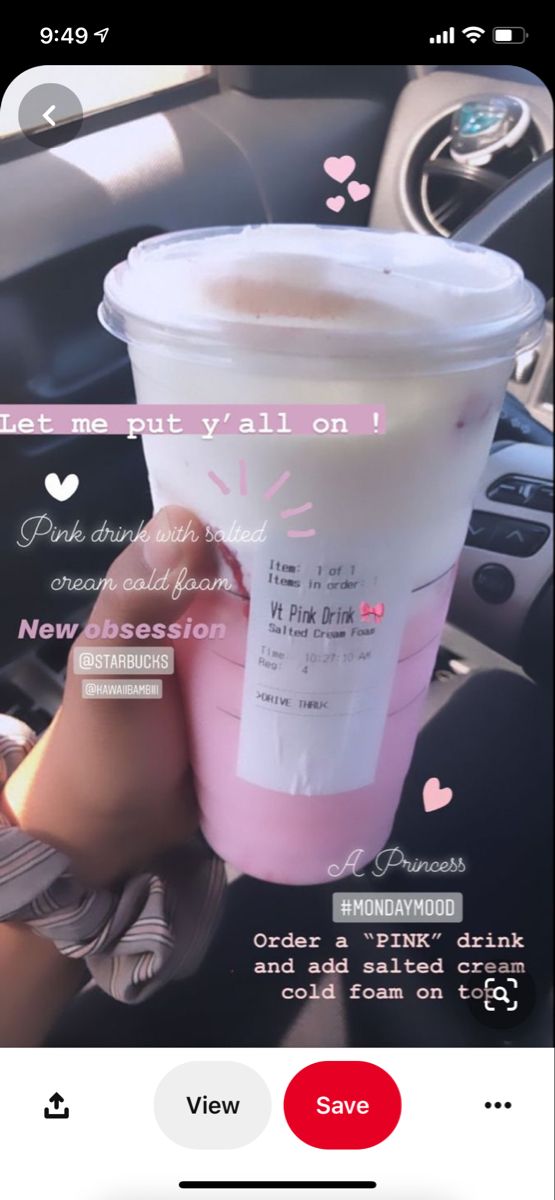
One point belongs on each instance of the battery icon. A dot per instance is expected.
(509, 34)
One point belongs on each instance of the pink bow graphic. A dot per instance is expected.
(372, 610)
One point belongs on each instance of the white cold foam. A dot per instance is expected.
(412, 487)
(317, 277)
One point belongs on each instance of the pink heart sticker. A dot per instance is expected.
(340, 168)
(434, 796)
(336, 203)
(358, 191)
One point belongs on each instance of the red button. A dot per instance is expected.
(342, 1105)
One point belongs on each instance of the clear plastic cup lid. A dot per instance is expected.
(321, 291)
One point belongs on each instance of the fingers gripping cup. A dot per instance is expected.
(337, 554)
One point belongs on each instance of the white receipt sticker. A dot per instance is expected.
(323, 643)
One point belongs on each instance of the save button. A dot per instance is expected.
(342, 1105)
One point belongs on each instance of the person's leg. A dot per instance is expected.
(491, 745)
(226, 1003)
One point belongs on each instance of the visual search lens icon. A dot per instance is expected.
(504, 1001)
(473, 33)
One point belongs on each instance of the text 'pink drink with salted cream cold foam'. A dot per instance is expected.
(337, 553)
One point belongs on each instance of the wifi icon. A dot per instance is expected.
(473, 33)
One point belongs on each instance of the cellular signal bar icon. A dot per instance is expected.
(445, 38)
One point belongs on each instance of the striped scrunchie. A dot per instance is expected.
(156, 927)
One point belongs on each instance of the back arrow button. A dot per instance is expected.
(50, 114)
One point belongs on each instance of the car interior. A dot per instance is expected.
(245, 145)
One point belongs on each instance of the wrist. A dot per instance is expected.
(37, 802)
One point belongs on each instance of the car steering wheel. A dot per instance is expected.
(518, 221)
(504, 589)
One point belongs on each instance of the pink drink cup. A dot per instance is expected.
(404, 497)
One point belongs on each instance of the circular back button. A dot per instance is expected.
(342, 1105)
(50, 115)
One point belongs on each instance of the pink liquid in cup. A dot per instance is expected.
(302, 716)
(331, 826)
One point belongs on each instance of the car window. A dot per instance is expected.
(107, 86)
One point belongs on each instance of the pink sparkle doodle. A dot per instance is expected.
(294, 512)
(219, 483)
(285, 514)
(274, 487)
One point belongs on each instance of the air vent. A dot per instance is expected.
(443, 193)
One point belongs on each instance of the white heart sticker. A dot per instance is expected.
(61, 489)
